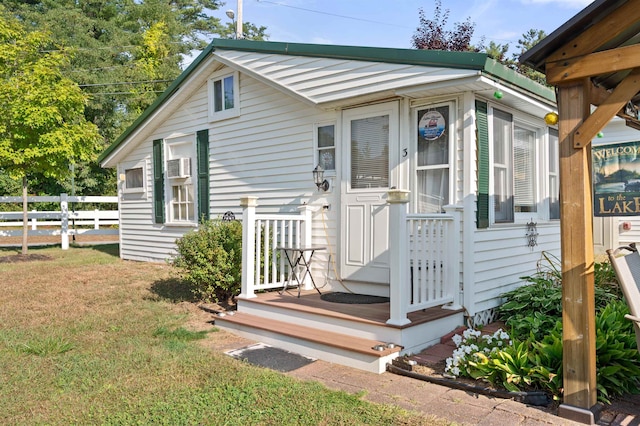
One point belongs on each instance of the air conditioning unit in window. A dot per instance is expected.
(179, 168)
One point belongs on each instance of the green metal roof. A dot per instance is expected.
(429, 58)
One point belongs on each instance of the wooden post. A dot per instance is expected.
(576, 227)
(399, 285)
(248, 205)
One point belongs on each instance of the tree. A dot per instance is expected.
(528, 40)
(42, 124)
(432, 35)
(126, 53)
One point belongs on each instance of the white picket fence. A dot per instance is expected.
(63, 222)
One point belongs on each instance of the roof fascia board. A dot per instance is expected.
(542, 104)
(498, 70)
(439, 58)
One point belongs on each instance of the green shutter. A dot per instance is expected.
(203, 174)
(482, 138)
(158, 182)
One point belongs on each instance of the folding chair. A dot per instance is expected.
(627, 269)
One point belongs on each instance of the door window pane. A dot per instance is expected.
(370, 152)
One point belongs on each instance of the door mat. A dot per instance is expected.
(263, 355)
(353, 298)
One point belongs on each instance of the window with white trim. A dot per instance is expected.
(132, 177)
(224, 102)
(515, 165)
(554, 175)
(432, 158)
(325, 142)
(180, 180)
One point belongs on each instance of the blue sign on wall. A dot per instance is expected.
(616, 179)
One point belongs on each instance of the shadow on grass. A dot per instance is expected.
(173, 290)
(110, 249)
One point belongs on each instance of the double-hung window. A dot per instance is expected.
(223, 91)
(432, 159)
(326, 147)
(515, 169)
(554, 175)
(179, 174)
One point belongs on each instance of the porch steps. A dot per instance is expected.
(352, 351)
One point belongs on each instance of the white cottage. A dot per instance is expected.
(441, 186)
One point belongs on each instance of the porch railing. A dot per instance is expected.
(263, 265)
(425, 253)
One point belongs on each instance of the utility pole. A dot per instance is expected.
(239, 33)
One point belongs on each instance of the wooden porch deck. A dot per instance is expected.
(373, 313)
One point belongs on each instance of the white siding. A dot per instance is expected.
(502, 257)
(323, 80)
(266, 152)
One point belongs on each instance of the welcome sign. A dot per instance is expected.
(616, 179)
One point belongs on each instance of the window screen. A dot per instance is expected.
(370, 152)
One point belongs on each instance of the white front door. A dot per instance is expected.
(370, 136)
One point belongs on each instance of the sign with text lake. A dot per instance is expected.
(616, 179)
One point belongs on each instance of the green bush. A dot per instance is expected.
(210, 260)
(534, 308)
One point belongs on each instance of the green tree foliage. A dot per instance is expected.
(433, 35)
(42, 125)
(125, 53)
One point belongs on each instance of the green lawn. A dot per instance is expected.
(86, 338)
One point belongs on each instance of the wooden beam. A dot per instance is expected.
(622, 94)
(591, 39)
(589, 65)
(597, 95)
(576, 212)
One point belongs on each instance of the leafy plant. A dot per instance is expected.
(536, 307)
(46, 346)
(210, 260)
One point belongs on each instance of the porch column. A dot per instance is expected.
(248, 205)
(306, 238)
(453, 256)
(399, 284)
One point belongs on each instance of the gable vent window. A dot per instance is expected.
(179, 168)
(224, 98)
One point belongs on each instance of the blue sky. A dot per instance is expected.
(391, 23)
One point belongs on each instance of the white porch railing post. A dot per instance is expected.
(399, 285)
(248, 205)
(64, 221)
(453, 255)
(306, 240)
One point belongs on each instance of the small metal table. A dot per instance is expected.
(296, 257)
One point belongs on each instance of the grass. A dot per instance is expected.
(86, 338)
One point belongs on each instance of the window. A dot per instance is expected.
(223, 96)
(515, 176)
(180, 196)
(182, 203)
(554, 177)
(326, 147)
(432, 168)
(370, 152)
(133, 179)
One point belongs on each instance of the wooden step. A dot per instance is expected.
(318, 336)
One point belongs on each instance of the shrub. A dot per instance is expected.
(537, 363)
(210, 260)
(537, 306)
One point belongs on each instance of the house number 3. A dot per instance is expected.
(404, 152)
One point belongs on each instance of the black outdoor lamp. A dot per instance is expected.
(318, 178)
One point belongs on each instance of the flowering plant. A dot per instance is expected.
(474, 347)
